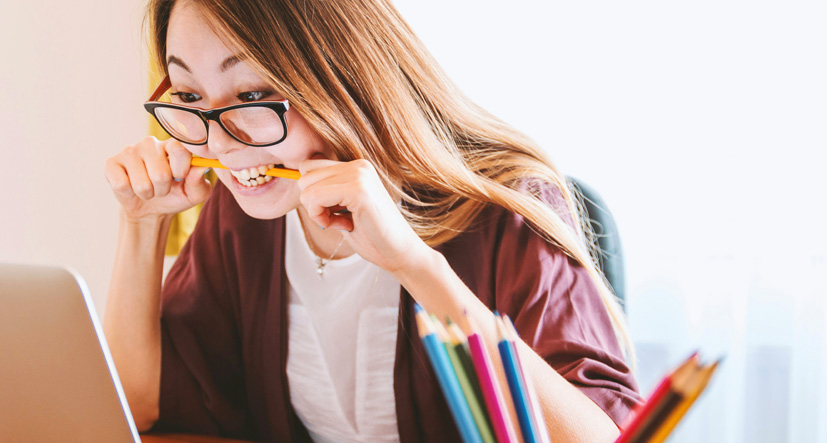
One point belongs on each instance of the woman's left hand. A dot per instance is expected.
(373, 225)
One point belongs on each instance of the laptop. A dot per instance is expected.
(57, 379)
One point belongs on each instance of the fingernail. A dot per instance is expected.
(322, 227)
(208, 170)
(178, 179)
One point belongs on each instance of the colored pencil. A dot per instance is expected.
(534, 402)
(697, 385)
(643, 414)
(490, 387)
(517, 386)
(474, 402)
(274, 172)
(447, 378)
(460, 343)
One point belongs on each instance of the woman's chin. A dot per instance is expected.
(266, 201)
(263, 213)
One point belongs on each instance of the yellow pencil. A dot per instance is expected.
(699, 382)
(275, 172)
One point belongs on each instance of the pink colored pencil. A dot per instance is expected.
(491, 392)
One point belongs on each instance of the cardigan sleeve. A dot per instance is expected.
(558, 311)
(201, 367)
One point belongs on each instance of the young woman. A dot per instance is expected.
(289, 313)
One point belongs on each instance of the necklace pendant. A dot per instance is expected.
(320, 267)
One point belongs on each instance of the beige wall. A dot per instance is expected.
(71, 88)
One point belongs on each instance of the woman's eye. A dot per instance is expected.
(253, 96)
(187, 97)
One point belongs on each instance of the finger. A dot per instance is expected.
(317, 162)
(158, 170)
(341, 222)
(179, 159)
(329, 200)
(195, 186)
(118, 180)
(138, 178)
(341, 172)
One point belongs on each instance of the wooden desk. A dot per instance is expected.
(184, 438)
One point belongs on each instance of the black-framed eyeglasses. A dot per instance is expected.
(254, 124)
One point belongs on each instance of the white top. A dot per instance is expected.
(342, 344)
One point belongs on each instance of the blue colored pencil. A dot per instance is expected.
(534, 402)
(516, 384)
(447, 378)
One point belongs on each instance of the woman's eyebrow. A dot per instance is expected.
(228, 63)
(173, 60)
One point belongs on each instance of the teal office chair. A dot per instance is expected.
(610, 253)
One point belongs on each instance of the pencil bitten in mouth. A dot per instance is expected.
(252, 177)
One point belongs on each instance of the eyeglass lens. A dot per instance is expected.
(182, 125)
(251, 125)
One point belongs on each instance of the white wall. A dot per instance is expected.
(71, 88)
(702, 124)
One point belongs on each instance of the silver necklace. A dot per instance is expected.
(320, 262)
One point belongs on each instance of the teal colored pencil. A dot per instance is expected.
(533, 401)
(465, 382)
(447, 378)
(516, 383)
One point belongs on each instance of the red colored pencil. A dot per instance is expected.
(639, 416)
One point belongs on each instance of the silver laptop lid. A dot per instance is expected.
(57, 378)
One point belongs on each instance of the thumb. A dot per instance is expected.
(196, 187)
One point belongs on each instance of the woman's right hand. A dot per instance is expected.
(154, 178)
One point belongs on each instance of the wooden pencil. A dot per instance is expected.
(274, 172)
(641, 415)
(516, 384)
(474, 401)
(694, 390)
(490, 386)
(534, 402)
(447, 378)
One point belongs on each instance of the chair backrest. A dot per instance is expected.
(610, 253)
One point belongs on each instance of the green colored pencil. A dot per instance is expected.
(474, 402)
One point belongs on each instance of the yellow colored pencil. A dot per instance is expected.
(275, 172)
(701, 379)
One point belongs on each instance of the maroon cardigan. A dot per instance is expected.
(224, 326)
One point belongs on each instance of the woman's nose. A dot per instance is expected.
(219, 141)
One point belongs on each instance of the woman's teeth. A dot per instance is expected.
(253, 177)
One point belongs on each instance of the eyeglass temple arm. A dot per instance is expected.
(161, 89)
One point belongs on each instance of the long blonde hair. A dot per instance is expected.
(362, 79)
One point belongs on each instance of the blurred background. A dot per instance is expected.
(703, 125)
